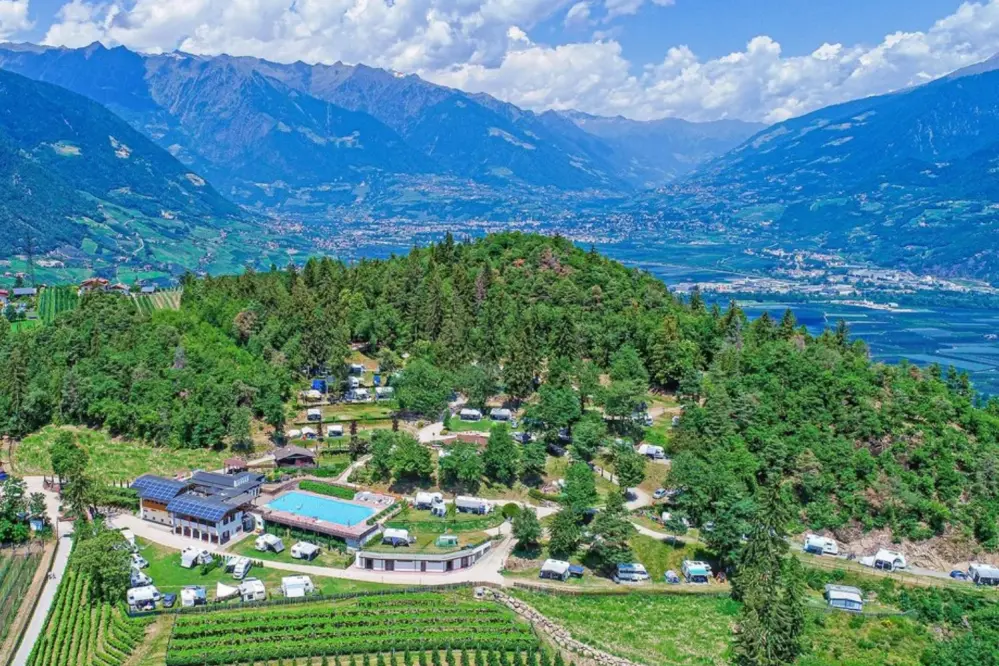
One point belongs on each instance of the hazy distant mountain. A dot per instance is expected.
(658, 151)
(908, 179)
(70, 169)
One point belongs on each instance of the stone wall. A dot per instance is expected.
(558, 634)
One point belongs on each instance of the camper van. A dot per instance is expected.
(143, 598)
(696, 572)
(820, 545)
(296, 587)
(139, 562)
(252, 589)
(192, 596)
(983, 574)
(303, 550)
(314, 414)
(129, 537)
(439, 510)
(334, 431)
(267, 542)
(632, 572)
(192, 556)
(652, 452)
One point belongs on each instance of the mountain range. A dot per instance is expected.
(300, 138)
(903, 180)
(907, 179)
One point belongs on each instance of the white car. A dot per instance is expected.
(139, 561)
(659, 494)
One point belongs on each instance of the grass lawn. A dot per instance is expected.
(655, 476)
(326, 558)
(168, 576)
(661, 556)
(343, 413)
(114, 459)
(485, 425)
(697, 630)
(683, 630)
(425, 543)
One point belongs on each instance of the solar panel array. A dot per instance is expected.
(198, 507)
(158, 489)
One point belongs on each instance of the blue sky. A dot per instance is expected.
(761, 60)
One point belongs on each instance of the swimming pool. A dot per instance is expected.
(321, 508)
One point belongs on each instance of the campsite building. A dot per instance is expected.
(294, 456)
(207, 506)
(404, 560)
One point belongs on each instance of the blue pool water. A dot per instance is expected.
(321, 508)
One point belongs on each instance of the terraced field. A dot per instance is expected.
(406, 627)
(80, 633)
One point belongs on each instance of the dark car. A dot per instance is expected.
(169, 600)
(957, 574)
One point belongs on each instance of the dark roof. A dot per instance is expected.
(234, 462)
(292, 451)
(227, 484)
(196, 506)
(158, 489)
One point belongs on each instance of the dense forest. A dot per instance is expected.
(560, 329)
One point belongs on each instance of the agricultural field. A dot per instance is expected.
(162, 300)
(55, 300)
(80, 633)
(113, 459)
(16, 572)
(402, 626)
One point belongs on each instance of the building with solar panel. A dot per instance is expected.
(207, 506)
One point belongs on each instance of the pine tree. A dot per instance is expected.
(771, 586)
(558, 658)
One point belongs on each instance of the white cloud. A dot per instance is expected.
(13, 17)
(578, 14)
(484, 46)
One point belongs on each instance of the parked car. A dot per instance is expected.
(169, 600)
(139, 561)
(659, 494)
(957, 574)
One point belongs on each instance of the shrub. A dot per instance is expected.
(510, 510)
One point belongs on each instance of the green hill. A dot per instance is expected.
(71, 171)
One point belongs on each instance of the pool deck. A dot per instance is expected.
(351, 533)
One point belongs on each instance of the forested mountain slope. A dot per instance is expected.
(863, 445)
(67, 164)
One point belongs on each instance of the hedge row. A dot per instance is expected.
(327, 489)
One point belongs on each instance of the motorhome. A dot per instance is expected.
(314, 414)
(473, 505)
(239, 566)
(983, 574)
(888, 560)
(653, 452)
(427, 500)
(296, 587)
(820, 545)
(143, 598)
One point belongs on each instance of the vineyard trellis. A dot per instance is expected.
(395, 624)
(79, 632)
(16, 574)
(55, 300)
